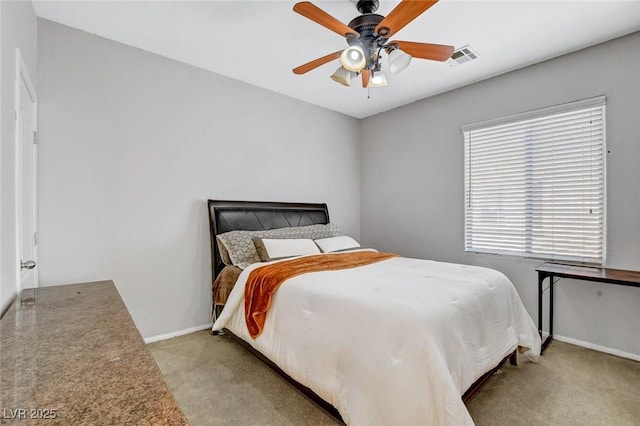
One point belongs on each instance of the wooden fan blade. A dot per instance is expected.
(405, 12)
(316, 63)
(435, 52)
(313, 12)
(366, 74)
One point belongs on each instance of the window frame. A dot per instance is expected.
(599, 101)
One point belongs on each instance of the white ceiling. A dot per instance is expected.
(259, 42)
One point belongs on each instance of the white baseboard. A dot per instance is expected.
(565, 339)
(598, 348)
(177, 333)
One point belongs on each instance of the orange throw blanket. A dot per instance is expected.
(265, 280)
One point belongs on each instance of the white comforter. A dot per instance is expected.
(393, 343)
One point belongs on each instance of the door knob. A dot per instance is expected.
(29, 264)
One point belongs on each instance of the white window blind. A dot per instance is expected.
(535, 184)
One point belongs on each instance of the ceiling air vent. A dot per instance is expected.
(462, 55)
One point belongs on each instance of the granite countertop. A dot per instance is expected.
(73, 353)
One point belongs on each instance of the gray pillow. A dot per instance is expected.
(237, 247)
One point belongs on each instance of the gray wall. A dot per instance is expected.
(18, 29)
(131, 146)
(413, 188)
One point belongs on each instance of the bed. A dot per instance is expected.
(397, 341)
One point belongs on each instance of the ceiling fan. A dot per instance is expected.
(368, 35)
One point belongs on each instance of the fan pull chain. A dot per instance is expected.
(368, 93)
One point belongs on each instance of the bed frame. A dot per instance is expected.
(227, 216)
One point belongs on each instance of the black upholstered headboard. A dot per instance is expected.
(227, 216)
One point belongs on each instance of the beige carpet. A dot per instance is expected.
(218, 382)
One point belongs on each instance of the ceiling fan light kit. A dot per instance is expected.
(368, 35)
(353, 58)
(378, 79)
(343, 76)
(398, 60)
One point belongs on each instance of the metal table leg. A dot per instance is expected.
(541, 278)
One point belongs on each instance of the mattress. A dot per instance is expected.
(392, 343)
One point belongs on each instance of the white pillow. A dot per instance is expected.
(271, 249)
(342, 242)
(237, 247)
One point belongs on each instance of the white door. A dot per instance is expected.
(26, 134)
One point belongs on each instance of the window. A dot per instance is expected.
(534, 184)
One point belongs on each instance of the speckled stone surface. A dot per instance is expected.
(75, 349)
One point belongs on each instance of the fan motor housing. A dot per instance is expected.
(365, 25)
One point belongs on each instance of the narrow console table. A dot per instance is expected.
(72, 355)
(586, 273)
